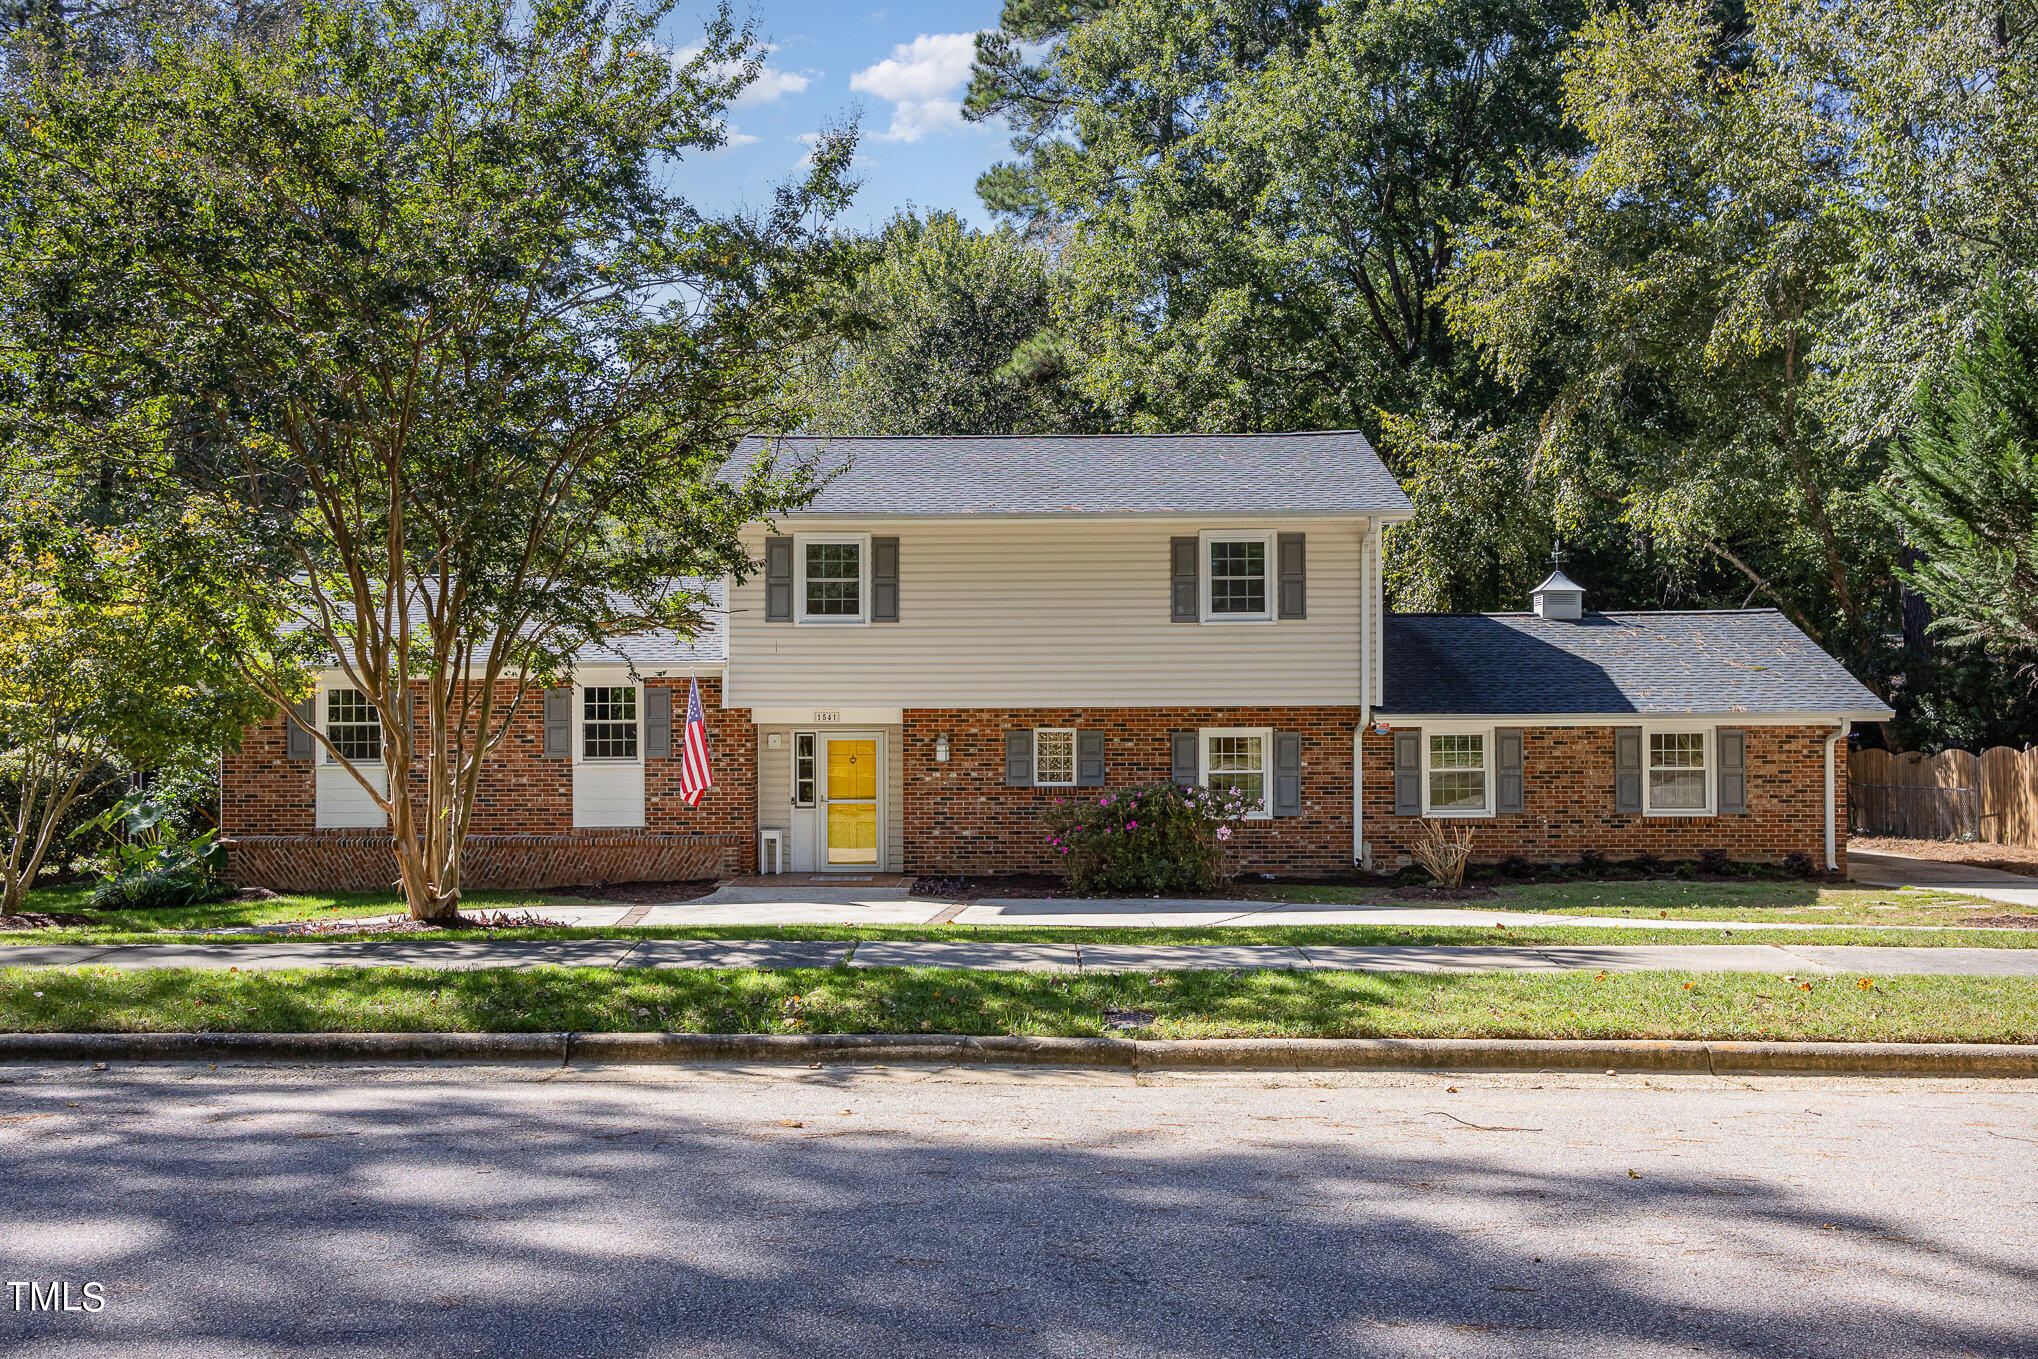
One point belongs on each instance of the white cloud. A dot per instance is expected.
(921, 79)
(731, 139)
(771, 83)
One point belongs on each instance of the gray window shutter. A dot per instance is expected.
(1182, 751)
(1019, 759)
(1627, 769)
(1090, 759)
(559, 722)
(1287, 774)
(884, 580)
(297, 742)
(778, 580)
(1408, 772)
(1508, 792)
(1733, 786)
(1184, 606)
(1291, 549)
(657, 722)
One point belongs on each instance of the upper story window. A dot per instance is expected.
(1236, 758)
(1458, 778)
(1237, 584)
(608, 722)
(1677, 772)
(353, 726)
(1054, 758)
(834, 579)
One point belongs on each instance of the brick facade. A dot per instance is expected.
(522, 834)
(1567, 775)
(961, 818)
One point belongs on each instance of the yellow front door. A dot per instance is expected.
(852, 801)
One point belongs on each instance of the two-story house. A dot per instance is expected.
(958, 631)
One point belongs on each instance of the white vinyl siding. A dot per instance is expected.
(1055, 614)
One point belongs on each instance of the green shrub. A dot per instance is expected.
(155, 867)
(1152, 840)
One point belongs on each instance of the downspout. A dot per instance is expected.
(1832, 818)
(1366, 633)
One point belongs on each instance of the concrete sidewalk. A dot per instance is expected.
(1072, 958)
(761, 906)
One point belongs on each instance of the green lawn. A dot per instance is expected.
(1198, 1004)
(1785, 902)
(1808, 903)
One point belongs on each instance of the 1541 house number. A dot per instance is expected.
(827, 714)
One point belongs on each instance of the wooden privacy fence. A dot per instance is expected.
(1954, 795)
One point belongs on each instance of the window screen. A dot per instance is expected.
(1238, 577)
(1677, 771)
(1457, 773)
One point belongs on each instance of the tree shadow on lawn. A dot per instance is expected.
(403, 1213)
(1578, 1004)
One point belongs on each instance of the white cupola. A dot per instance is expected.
(1559, 597)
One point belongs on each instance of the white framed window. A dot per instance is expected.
(353, 726)
(1238, 576)
(806, 781)
(1457, 773)
(1238, 757)
(833, 578)
(608, 722)
(1678, 777)
(1054, 757)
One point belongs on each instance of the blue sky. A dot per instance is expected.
(899, 68)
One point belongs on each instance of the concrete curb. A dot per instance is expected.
(1120, 1054)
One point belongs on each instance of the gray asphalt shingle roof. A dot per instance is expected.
(1739, 661)
(662, 650)
(1316, 472)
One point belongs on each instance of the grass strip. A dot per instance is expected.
(1302, 935)
(918, 1000)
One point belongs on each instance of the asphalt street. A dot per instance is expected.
(432, 1211)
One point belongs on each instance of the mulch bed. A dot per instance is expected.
(1473, 891)
(2003, 922)
(45, 920)
(640, 893)
(481, 920)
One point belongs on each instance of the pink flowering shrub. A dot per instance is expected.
(1156, 839)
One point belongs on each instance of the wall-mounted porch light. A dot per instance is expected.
(941, 750)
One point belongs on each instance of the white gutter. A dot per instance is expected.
(1832, 830)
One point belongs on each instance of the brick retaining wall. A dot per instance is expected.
(362, 861)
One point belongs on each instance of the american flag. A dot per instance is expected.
(695, 776)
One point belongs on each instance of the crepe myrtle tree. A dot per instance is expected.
(106, 666)
(452, 369)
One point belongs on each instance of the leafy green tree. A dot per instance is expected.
(1677, 279)
(1262, 205)
(957, 341)
(1964, 485)
(448, 368)
(106, 666)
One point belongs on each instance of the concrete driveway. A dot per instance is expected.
(1902, 870)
